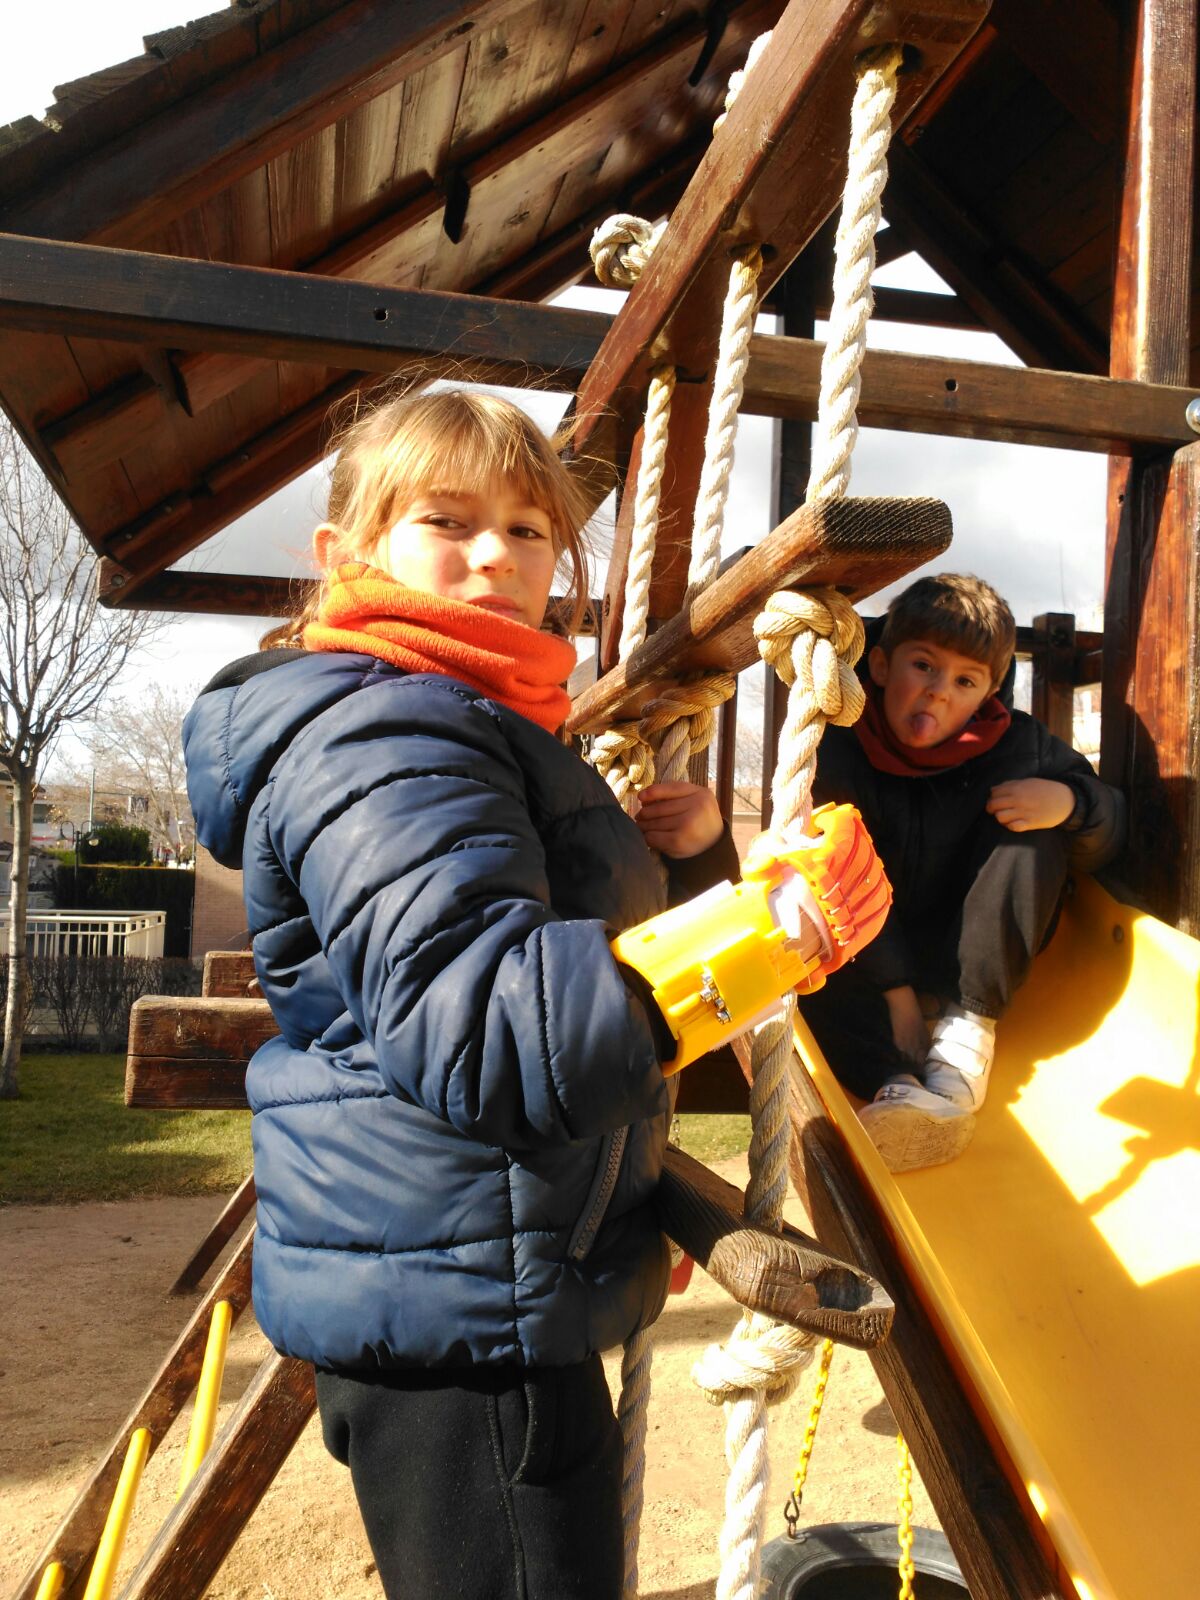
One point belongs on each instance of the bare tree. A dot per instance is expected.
(137, 750)
(60, 653)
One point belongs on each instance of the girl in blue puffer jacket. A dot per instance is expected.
(460, 1127)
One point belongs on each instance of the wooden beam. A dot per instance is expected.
(285, 316)
(975, 399)
(1053, 698)
(1084, 78)
(771, 176)
(856, 545)
(131, 187)
(1029, 314)
(1150, 718)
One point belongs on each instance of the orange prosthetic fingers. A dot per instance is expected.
(832, 879)
(716, 965)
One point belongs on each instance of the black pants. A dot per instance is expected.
(498, 1483)
(976, 951)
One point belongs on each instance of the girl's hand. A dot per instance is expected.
(910, 1032)
(680, 819)
(1025, 804)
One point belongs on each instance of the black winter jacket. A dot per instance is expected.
(925, 827)
(458, 1133)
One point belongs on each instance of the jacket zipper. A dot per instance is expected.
(607, 1170)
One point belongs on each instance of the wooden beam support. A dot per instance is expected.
(975, 399)
(856, 545)
(1030, 315)
(1053, 699)
(132, 187)
(86, 291)
(1150, 717)
(771, 176)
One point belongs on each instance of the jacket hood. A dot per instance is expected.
(243, 721)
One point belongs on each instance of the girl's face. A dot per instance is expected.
(929, 693)
(486, 547)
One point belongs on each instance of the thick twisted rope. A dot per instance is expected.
(813, 641)
(733, 353)
(854, 262)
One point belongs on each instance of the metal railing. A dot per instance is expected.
(84, 933)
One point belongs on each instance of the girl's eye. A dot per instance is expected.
(525, 531)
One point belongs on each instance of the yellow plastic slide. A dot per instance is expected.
(1061, 1253)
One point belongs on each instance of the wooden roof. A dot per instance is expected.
(473, 147)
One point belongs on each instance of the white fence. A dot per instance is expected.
(80, 933)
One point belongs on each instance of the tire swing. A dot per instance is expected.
(812, 638)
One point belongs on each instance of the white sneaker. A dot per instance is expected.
(960, 1057)
(912, 1127)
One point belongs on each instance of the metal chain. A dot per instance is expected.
(905, 1531)
(791, 1511)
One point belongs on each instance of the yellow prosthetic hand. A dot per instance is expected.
(722, 962)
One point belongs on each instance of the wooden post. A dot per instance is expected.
(1054, 673)
(1151, 694)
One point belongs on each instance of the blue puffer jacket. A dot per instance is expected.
(459, 1130)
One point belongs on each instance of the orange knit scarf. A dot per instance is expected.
(367, 612)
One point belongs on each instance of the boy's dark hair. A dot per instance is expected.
(958, 611)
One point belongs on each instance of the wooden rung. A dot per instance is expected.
(235, 1211)
(856, 545)
(192, 1053)
(787, 1275)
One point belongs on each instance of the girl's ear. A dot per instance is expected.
(877, 665)
(326, 542)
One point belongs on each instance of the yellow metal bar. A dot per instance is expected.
(208, 1393)
(108, 1552)
(52, 1582)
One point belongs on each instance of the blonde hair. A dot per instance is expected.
(392, 447)
(959, 612)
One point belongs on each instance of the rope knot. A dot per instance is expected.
(760, 1356)
(621, 247)
(813, 638)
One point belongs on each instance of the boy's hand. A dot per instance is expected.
(1025, 804)
(680, 819)
(910, 1032)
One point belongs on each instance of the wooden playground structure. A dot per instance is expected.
(215, 242)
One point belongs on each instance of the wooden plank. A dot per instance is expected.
(130, 187)
(74, 1540)
(229, 975)
(975, 399)
(84, 439)
(771, 176)
(987, 1520)
(784, 1275)
(205, 1522)
(1053, 700)
(1150, 699)
(856, 545)
(1150, 703)
(215, 1041)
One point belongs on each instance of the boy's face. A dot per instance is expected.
(930, 693)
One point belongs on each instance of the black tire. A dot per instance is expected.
(857, 1561)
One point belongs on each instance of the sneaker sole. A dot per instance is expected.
(908, 1138)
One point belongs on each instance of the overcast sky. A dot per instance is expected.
(1030, 520)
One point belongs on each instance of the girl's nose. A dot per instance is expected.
(491, 551)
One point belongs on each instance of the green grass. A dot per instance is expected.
(70, 1137)
(714, 1138)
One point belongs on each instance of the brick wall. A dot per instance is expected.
(218, 917)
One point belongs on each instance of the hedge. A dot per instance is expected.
(115, 888)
